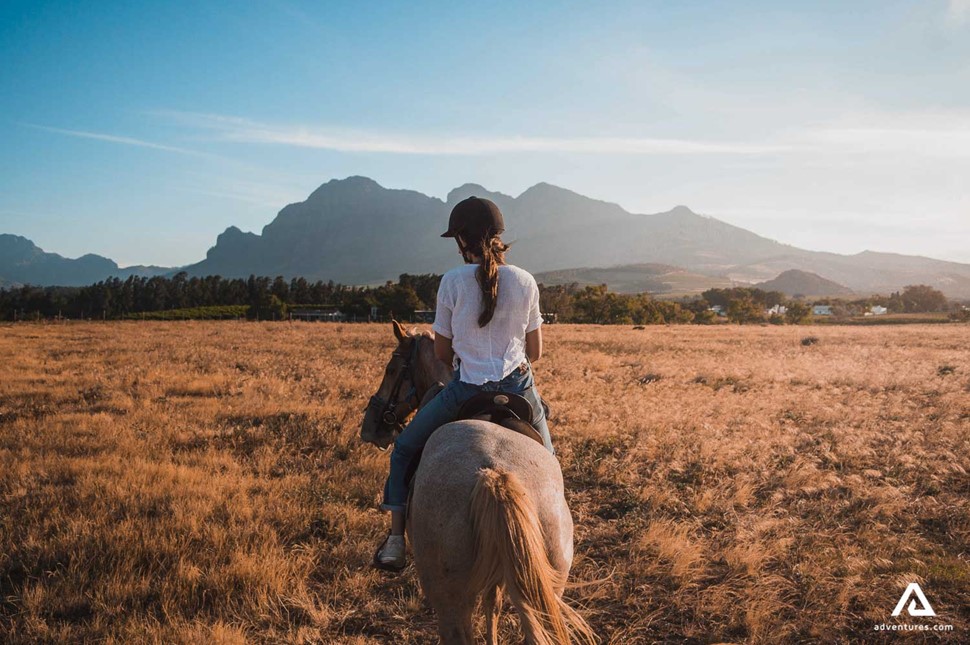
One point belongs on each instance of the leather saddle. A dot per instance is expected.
(512, 411)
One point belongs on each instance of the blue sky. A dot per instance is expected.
(141, 130)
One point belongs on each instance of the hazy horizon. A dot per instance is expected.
(258, 230)
(141, 132)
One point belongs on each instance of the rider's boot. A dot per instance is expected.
(392, 554)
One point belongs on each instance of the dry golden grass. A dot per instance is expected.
(190, 482)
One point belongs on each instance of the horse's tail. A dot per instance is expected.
(510, 552)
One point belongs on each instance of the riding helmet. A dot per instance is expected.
(475, 218)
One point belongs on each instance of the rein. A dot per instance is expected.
(388, 410)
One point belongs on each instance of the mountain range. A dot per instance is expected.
(23, 262)
(355, 231)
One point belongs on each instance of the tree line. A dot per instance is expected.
(273, 298)
(263, 297)
(596, 304)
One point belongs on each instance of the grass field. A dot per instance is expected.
(185, 482)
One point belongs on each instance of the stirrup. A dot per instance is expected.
(386, 566)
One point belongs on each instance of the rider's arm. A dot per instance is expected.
(533, 344)
(442, 349)
(442, 323)
(533, 330)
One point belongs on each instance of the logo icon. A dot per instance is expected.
(923, 609)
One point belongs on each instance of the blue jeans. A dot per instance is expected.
(443, 409)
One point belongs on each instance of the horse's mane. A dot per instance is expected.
(414, 332)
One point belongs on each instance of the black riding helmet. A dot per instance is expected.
(476, 219)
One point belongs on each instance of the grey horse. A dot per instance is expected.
(487, 514)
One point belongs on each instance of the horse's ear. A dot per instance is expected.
(399, 330)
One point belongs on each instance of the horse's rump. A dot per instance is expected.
(488, 511)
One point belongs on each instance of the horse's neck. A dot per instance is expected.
(430, 370)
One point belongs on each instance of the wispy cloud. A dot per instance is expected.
(241, 130)
(273, 200)
(958, 12)
(920, 134)
(921, 142)
(112, 138)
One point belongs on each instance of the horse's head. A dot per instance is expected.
(397, 397)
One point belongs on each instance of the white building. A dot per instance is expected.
(876, 310)
(318, 314)
(821, 310)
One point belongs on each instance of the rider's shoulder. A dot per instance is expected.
(452, 280)
(458, 273)
(466, 272)
(520, 274)
(461, 269)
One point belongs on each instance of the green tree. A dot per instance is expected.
(277, 307)
(559, 300)
(772, 298)
(920, 298)
(590, 305)
(745, 310)
(299, 291)
(397, 300)
(280, 288)
(895, 303)
(425, 286)
(796, 312)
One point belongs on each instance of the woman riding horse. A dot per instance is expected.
(487, 323)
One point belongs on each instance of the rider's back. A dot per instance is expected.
(491, 352)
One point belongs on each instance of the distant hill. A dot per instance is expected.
(23, 262)
(355, 231)
(865, 273)
(351, 231)
(637, 278)
(795, 282)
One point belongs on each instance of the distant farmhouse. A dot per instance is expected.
(321, 313)
(876, 310)
(821, 310)
(777, 310)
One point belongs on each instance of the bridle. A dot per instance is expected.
(387, 410)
